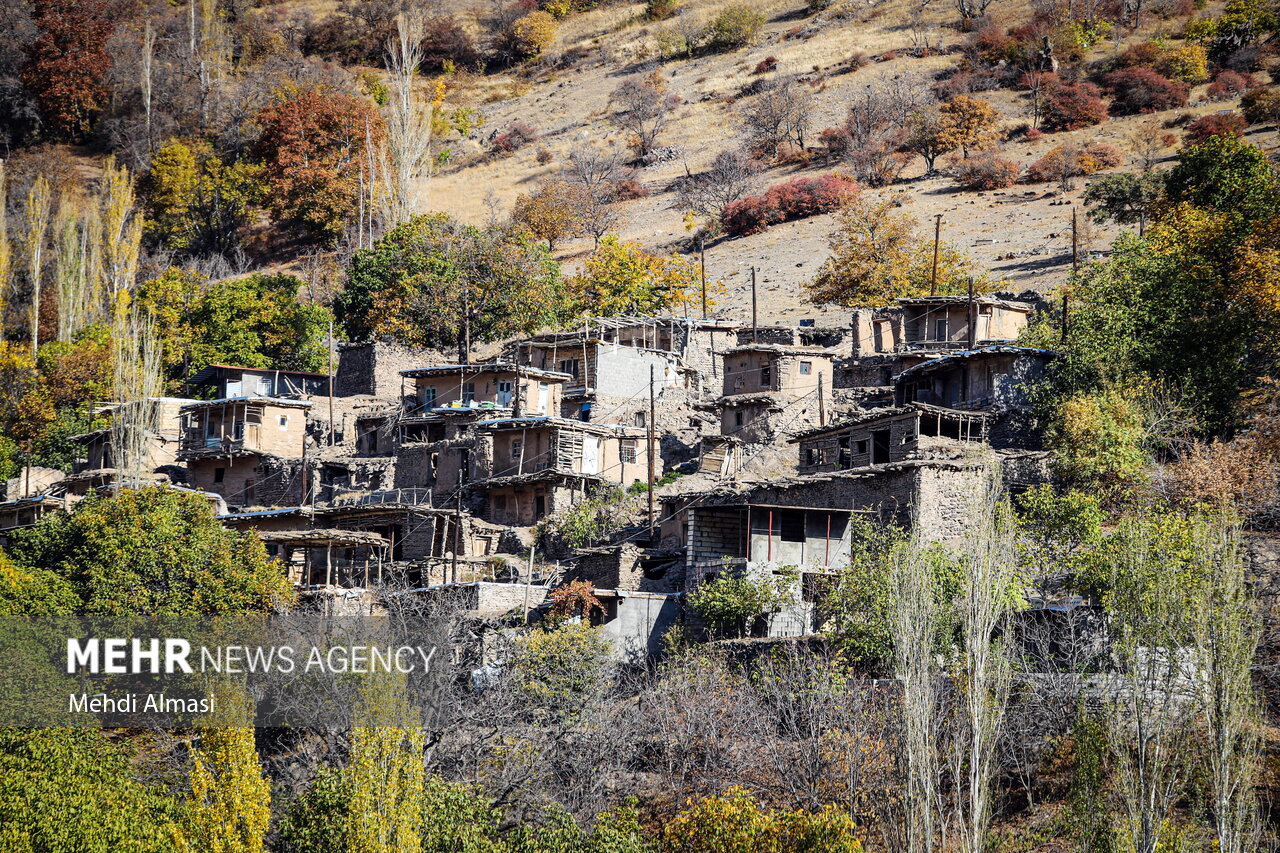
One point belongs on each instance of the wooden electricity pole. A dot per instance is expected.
(937, 233)
(702, 261)
(330, 383)
(755, 332)
(650, 453)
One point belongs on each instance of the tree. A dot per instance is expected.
(230, 804)
(930, 136)
(733, 27)
(432, 281)
(734, 823)
(195, 203)
(876, 258)
(1225, 174)
(731, 602)
(319, 820)
(620, 278)
(552, 212)
(385, 774)
(1098, 442)
(643, 107)
(153, 554)
(313, 149)
(732, 175)
(778, 116)
(968, 122)
(1071, 106)
(532, 34)
(255, 321)
(562, 669)
(68, 64)
(71, 790)
(1126, 197)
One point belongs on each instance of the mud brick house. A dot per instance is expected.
(774, 389)
(228, 380)
(160, 420)
(373, 368)
(890, 339)
(241, 448)
(540, 466)
(609, 361)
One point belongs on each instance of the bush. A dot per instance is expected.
(532, 34)
(796, 199)
(445, 40)
(517, 135)
(1068, 161)
(1261, 106)
(836, 142)
(1228, 84)
(1217, 124)
(735, 26)
(1142, 90)
(660, 10)
(1188, 63)
(629, 189)
(1071, 106)
(986, 170)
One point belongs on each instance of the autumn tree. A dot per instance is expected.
(313, 149)
(68, 64)
(621, 278)
(385, 774)
(876, 257)
(552, 212)
(778, 116)
(195, 202)
(930, 136)
(967, 122)
(642, 107)
(153, 554)
(432, 281)
(229, 809)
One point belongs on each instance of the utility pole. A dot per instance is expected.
(973, 318)
(755, 331)
(937, 233)
(528, 582)
(649, 452)
(331, 383)
(1075, 243)
(702, 261)
(822, 406)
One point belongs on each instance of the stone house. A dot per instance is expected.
(234, 447)
(772, 389)
(373, 368)
(228, 380)
(534, 467)
(162, 433)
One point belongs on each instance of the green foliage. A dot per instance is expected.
(153, 554)
(560, 669)
(621, 278)
(591, 521)
(431, 277)
(731, 602)
(1098, 442)
(70, 791)
(1225, 174)
(1057, 532)
(734, 823)
(318, 820)
(1087, 815)
(1127, 198)
(195, 202)
(255, 321)
(53, 448)
(385, 774)
(733, 27)
(230, 804)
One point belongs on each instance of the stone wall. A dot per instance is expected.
(374, 367)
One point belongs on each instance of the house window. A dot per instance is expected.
(862, 446)
(517, 449)
(737, 418)
(627, 451)
(570, 366)
(468, 392)
(642, 419)
(284, 422)
(791, 525)
(940, 329)
(806, 368)
(766, 376)
(264, 385)
(428, 396)
(219, 474)
(504, 392)
(814, 455)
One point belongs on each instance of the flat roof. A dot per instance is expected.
(543, 420)
(252, 398)
(208, 372)
(488, 367)
(964, 355)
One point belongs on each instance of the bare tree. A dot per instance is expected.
(971, 9)
(731, 176)
(643, 107)
(779, 115)
(405, 158)
(597, 171)
(36, 212)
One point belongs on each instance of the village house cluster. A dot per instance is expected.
(744, 449)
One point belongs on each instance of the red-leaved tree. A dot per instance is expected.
(313, 146)
(68, 63)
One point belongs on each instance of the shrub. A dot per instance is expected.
(629, 189)
(660, 10)
(1228, 84)
(532, 34)
(517, 135)
(1071, 106)
(1188, 63)
(444, 40)
(986, 170)
(796, 199)
(1067, 161)
(764, 66)
(544, 156)
(1142, 90)
(1261, 106)
(836, 142)
(1216, 124)
(735, 26)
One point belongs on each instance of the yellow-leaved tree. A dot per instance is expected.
(876, 257)
(386, 774)
(230, 806)
(622, 278)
